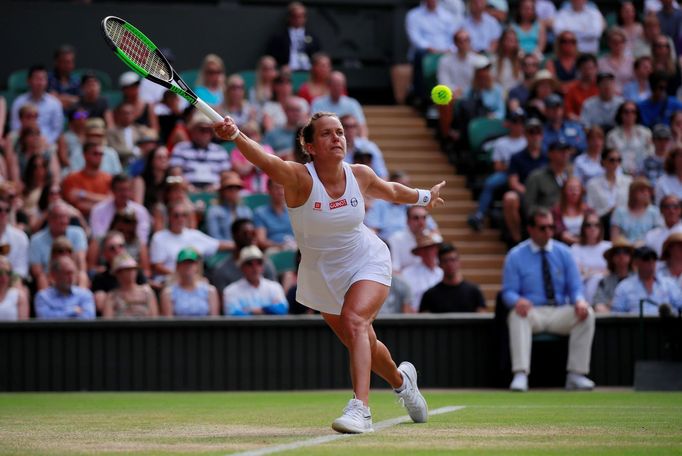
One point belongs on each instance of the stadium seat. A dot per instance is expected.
(256, 200)
(190, 77)
(430, 69)
(113, 97)
(483, 129)
(283, 261)
(214, 260)
(229, 146)
(207, 198)
(298, 78)
(16, 82)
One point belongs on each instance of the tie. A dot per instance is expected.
(547, 279)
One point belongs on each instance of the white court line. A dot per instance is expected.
(332, 437)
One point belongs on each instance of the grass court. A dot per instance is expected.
(548, 422)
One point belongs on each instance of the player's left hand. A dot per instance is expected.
(436, 200)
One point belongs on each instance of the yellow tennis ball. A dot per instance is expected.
(441, 94)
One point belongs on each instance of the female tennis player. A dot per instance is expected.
(345, 269)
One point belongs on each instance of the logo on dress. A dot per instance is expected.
(337, 204)
(353, 202)
(317, 206)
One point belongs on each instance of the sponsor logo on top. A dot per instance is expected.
(317, 206)
(337, 204)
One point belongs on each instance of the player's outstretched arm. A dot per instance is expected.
(395, 192)
(284, 172)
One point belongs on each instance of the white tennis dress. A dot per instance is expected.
(337, 249)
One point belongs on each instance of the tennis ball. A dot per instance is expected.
(441, 94)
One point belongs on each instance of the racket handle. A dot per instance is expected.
(209, 111)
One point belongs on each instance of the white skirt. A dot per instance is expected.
(324, 278)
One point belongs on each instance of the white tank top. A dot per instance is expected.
(326, 224)
(9, 307)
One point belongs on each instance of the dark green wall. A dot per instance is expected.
(285, 353)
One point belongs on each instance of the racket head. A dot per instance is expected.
(136, 50)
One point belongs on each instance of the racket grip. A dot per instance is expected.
(209, 111)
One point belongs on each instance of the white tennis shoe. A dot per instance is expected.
(356, 419)
(410, 396)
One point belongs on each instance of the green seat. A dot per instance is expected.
(229, 146)
(207, 198)
(114, 97)
(16, 82)
(249, 77)
(256, 200)
(283, 261)
(483, 129)
(430, 70)
(215, 259)
(298, 78)
(190, 77)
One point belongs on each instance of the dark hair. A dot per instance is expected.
(117, 179)
(517, 16)
(64, 49)
(639, 60)
(656, 77)
(594, 130)
(535, 213)
(667, 197)
(411, 208)
(44, 200)
(607, 150)
(584, 58)
(590, 213)
(35, 68)
(669, 165)
(30, 169)
(308, 131)
(621, 108)
(148, 173)
(238, 224)
(89, 145)
(619, 16)
(446, 248)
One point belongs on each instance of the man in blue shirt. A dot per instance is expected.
(542, 288)
(658, 108)
(273, 227)
(558, 128)
(659, 294)
(63, 299)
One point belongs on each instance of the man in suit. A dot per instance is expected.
(294, 46)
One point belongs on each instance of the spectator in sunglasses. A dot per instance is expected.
(588, 254)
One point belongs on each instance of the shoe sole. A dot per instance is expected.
(411, 373)
(345, 429)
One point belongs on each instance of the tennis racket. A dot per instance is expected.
(142, 56)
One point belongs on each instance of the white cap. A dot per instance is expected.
(128, 78)
(248, 253)
(481, 62)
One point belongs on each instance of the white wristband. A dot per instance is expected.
(234, 136)
(424, 197)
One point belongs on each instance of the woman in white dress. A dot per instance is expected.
(345, 269)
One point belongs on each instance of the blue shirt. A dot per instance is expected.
(365, 145)
(631, 290)
(277, 226)
(658, 112)
(219, 220)
(522, 277)
(493, 100)
(190, 303)
(40, 245)
(50, 115)
(570, 132)
(50, 304)
(280, 139)
(631, 92)
(430, 29)
(522, 164)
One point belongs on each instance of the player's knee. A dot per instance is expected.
(354, 325)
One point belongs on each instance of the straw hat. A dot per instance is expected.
(545, 75)
(620, 243)
(427, 239)
(123, 261)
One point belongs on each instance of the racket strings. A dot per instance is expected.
(137, 51)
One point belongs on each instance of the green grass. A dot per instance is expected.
(493, 423)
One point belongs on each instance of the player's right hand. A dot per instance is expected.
(227, 129)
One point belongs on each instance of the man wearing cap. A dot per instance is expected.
(426, 273)
(582, 88)
(558, 128)
(64, 299)
(201, 160)
(646, 288)
(95, 132)
(50, 114)
(219, 217)
(653, 165)
(601, 109)
(671, 212)
(503, 149)
(121, 199)
(542, 288)
(521, 165)
(144, 112)
(357, 144)
(253, 294)
(87, 187)
(543, 187)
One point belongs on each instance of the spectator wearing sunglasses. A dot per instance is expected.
(671, 212)
(658, 108)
